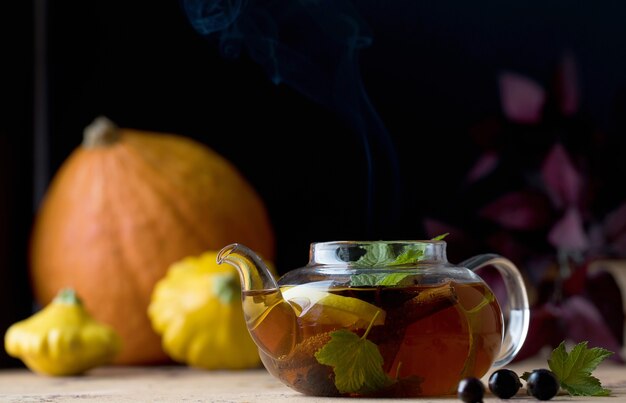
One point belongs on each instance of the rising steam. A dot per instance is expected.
(313, 47)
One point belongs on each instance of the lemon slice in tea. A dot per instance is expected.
(321, 307)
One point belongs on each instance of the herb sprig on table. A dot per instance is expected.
(574, 368)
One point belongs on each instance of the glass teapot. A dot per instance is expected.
(380, 319)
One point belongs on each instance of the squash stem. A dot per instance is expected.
(67, 296)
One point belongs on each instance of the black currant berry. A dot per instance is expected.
(542, 384)
(471, 390)
(504, 383)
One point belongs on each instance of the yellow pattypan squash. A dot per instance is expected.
(62, 338)
(196, 308)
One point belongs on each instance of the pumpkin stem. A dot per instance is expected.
(101, 132)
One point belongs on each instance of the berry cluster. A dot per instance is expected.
(504, 383)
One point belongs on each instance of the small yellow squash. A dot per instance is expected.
(122, 208)
(196, 308)
(62, 338)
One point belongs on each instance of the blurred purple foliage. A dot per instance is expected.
(543, 192)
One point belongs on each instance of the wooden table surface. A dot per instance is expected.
(183, 384)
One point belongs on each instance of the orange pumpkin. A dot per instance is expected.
(121, 209)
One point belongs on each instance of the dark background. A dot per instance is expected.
(431, 73)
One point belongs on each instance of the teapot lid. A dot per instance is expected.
(381, 253)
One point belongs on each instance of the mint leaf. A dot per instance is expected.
(411, 254)
(376, 254)
(574, 369)
(356, 362)
(381, 254)
(377, 279)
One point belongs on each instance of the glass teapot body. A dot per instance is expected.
(386, 319)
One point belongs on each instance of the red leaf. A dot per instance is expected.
(567, 86)
(540, 269)
(518, 210)
(461, 244)
(585, 323)
(485, 165)
(522, 99)
(615, 222)
(576, 283)
(504, 243)
(568, 233)
(435, 228)
(604, 292)
(563, 182)
(576, 319)
(618, 246)
(614, 231)
(597, 241)
(544, 330)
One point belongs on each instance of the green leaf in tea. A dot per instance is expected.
(410, 254)
(472, 318)
(356, 362)
(379, 254)
(376, 254)
(382, 254)
(377, 279)
(574, 369)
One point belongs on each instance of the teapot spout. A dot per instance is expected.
(271, 321)
(253, 272)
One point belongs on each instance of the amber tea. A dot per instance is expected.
(402, 341)
(380, 318)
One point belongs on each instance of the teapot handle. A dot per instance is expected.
(517, 309)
